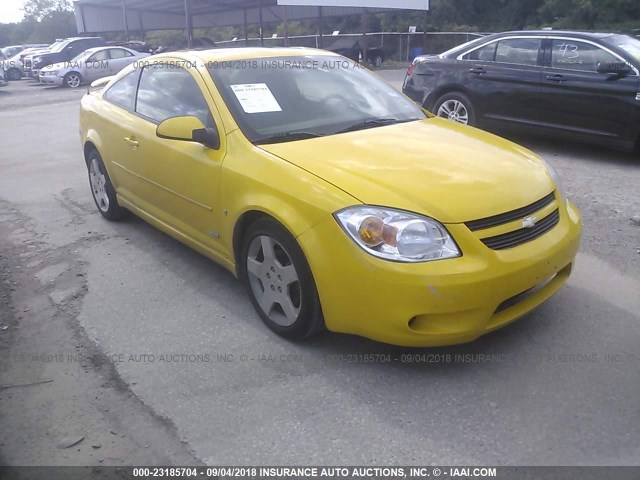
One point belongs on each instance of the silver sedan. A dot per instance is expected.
(90, 65)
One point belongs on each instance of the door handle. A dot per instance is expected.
(478, 70)
(555, 78)
(131, 142)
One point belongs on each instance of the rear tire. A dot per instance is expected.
(104, 195)
(279, 281)
(456, 107)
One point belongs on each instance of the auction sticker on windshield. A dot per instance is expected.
(256, 98)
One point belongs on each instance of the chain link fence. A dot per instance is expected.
(399, 48)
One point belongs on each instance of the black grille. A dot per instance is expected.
(503, 218)
(523, 235)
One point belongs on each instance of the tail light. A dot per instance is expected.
(411, 69)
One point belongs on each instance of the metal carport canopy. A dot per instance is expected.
(97, 16)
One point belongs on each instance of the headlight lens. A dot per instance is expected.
(397, 235)
(556, 179)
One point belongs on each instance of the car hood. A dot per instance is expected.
(450, 172)
(49, 56)
(55, 66)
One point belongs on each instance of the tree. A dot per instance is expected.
(40, 9)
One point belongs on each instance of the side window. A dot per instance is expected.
(167, 91)
(521, 51)
(100, 56)
(119, 53)
(486, 53)
(123, 92)
(576, 55)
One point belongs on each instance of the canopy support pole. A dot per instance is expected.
(320, 27)
(246, 29)
(286, 25)
(365, 27)
(261, 25)
(126, 21)
(189, 21)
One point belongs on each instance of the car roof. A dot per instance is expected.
(222, 54)
(573, 33)
(79, 38)
(93, 50)
(103, 47)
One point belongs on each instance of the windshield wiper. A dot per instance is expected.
(287, 137)
(372, 123)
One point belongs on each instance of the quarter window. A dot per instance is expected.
(123, 92)
(575, 55)
(167, 91)
(521, 51)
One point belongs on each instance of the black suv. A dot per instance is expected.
(64, 52)
(577, 84)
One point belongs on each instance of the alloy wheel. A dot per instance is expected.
(98, 185)
(455, 111)
(274, 280)
(73, 80)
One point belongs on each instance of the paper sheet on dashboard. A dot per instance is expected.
(256, 98)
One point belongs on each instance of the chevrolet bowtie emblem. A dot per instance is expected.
(529, 222)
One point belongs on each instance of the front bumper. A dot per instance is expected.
(51, 80)
(443, 302)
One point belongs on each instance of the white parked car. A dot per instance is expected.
(14, 66)
(3, 82)
(90, 65)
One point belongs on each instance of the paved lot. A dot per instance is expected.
(558, 387)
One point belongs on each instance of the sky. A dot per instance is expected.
(11, 11)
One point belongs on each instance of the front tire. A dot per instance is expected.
(72, 80)
(104, 195)
(279, 281)
(456, 107)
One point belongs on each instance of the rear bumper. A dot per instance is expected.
(415, 94)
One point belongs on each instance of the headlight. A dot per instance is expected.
(397, 235)
(556, 179)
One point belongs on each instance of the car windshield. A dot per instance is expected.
(289, 98)
(54, 45)
(11, 51)
(628, 44)
(81, 56)
(59, 46)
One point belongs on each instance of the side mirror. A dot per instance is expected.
(189, 129)
(617, 68)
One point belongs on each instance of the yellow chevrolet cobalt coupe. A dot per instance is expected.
(337, 202)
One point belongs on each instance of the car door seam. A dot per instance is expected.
(191, 200)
